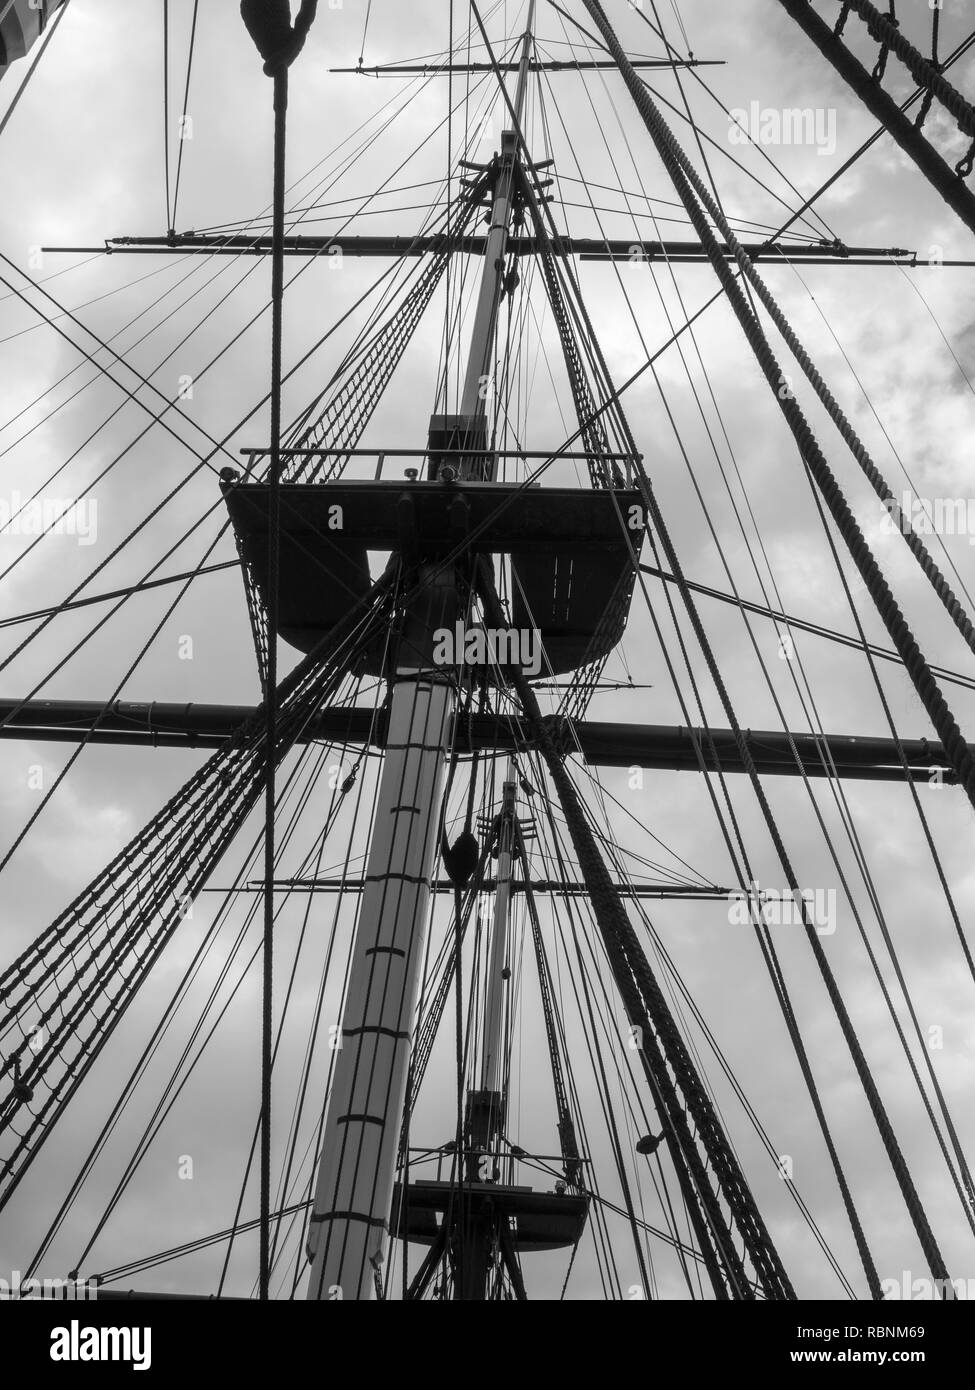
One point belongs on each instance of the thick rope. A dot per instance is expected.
(133, 905)
(660, 1040)
(924, 72)
(915, 662)
(956, 747)
(876, 479)
(342, 420)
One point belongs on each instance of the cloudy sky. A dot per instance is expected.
(83, 159)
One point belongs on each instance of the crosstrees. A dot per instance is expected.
(587, 248)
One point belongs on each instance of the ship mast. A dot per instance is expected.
(492, 1041)
(349, 1225)
(473, 399)
(477, 1224)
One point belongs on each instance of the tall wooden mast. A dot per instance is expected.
(349, 1224)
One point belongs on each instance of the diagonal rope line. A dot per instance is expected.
(674, 160)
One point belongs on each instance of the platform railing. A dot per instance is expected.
(384, 456)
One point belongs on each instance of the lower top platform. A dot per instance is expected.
(536, 1220)
(570, 549)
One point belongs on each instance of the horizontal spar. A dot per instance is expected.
(587, 248)
(606, 744)
(550, 65)
(692, 892)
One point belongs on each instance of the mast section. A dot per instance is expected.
(477, 380)
(349, 1232)
(493, 1034)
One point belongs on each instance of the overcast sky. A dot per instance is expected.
(83, 159)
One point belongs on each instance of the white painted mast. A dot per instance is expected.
(348, 1232)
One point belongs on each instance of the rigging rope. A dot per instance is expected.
(877, 481)
(851, 831)
(269, 24)
(171, 1092)
(365, 31)
(660, 1041)
(958, 750)
(917, 666)
(169, 215)
(925, 72)
(349, 409)
(279, 68)
(186, 100)
(566, 1127)
(137, 899)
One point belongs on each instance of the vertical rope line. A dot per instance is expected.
(186, 102)
(686, 183)
(459, 1048)
(274, 558)
(169, 220)
(365, 31)
(450, 208)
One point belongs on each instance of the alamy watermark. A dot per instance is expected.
(926, 516)
(488, 646)
(61, 516)
(784, 908)
(78, 1343)
(53, 1290)
(923, 1289)
(767, 125)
